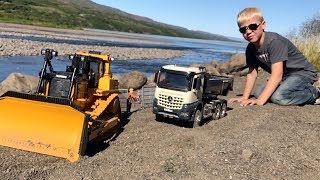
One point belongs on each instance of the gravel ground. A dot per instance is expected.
(254, 142)
(11, 46)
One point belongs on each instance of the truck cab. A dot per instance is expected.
(189, 94)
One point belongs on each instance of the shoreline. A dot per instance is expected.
(11, 45)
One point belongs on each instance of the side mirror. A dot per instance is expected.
(155, 79)
(198, 84)
(190, 75)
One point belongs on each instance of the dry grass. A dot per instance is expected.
(310, 47)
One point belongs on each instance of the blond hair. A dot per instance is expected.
(249, 13)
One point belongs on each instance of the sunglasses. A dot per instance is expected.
(252, 27)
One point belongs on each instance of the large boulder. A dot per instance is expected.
(133, 79)
(213, 64)
(210, 67)
(150, 80)
(213, 70)
(236, 63)
(116, 76)
(20, 83)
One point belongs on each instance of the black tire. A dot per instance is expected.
(196, 118)
(217, 112)
(159, 118)
(223, 110)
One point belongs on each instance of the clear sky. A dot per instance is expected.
(219, 16)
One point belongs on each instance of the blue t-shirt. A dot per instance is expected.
(276, 48)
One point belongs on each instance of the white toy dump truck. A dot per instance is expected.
(190, 94)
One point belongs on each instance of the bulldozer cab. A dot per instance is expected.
(86, 68)
(83, 70)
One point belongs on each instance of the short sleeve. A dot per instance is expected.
(278, 51)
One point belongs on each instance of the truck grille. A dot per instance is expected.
(170, 101)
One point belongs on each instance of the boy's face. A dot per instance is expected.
(252, 29)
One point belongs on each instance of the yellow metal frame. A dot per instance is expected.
(61, 130)
(41, 127)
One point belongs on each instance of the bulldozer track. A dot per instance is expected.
(100, 105)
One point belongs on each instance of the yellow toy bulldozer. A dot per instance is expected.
(69, 109)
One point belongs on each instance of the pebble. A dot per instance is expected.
(21, 47)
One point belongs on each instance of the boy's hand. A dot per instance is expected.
(245, 102)
(251, 102)
(238, 99)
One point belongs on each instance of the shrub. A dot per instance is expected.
(307, 39)
(310, 47)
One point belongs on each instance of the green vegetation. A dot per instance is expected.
(168, 166)
(78, 14)
(310, 47)
(307, 39)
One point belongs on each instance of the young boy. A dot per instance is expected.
(292, 76)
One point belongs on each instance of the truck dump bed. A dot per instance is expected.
(218, 85)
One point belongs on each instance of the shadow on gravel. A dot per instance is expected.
(178, 123)
(98, 146)
(184, 124)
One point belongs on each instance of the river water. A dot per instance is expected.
(201, 51)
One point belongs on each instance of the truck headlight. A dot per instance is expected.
(184, 114)
(71, 57)
(155, 102)
(184, 106)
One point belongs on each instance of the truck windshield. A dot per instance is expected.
(173, 81)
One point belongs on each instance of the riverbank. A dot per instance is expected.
(15, 40)
(253, 142)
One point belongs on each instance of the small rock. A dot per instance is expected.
(247, 154)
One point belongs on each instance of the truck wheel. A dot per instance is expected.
(196, 118)
(217, 113)
(223, 110)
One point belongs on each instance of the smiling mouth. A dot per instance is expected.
(250, 37)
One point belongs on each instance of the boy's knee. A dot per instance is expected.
(280, 98)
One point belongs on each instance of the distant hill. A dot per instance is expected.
(78, 14)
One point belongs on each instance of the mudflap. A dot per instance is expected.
(44, 125)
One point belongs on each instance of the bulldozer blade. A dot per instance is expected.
(42, 124)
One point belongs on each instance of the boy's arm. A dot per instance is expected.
(251, 79)
(273, 82)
